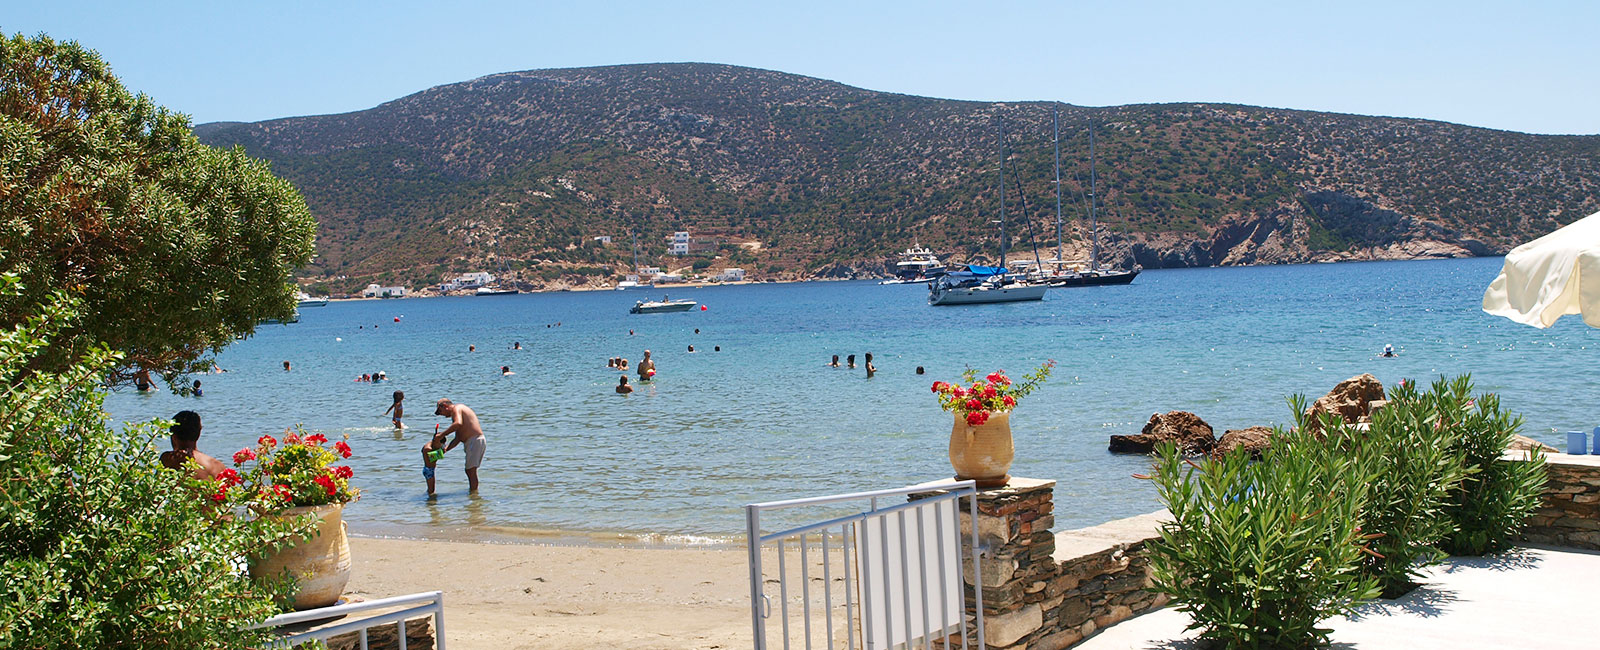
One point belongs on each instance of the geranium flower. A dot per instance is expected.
(284, 491)
(989, 391)
(343, 471)
(316, 439)
(229, 478)
(1010, 401)
(327, 484)
(239, 457)
(973, 404)
(266, 441)
(938, 386)
(343, 448)
(220, 495)
(291, 439)
(959, 392)
(977, 418)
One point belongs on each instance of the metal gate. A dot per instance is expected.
(891, 576)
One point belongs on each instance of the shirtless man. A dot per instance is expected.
(646, 367)
(464, 423)
(185, 436)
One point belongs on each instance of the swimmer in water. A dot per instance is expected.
(622, 385)
(505, 371)
(835, 362)
(919, 370)
(472, 348)
(398, 408)
(871, 369)
(1388, 350)
(286, 366)
(850, 361)
(691, 348)
(517, 345)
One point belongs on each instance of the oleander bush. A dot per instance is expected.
(1409, 452)
(1491, 505)
(100, 545)
(1259, 553)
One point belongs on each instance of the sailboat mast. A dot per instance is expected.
(1056, 120)
(1002, 263)
(1094, 221)
(635, 236)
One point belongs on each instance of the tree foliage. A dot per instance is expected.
(175, 247)
(101, 546)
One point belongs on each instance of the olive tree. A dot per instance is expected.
(174, 248)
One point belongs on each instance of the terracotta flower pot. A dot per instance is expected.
(982, 453)
(320, 563)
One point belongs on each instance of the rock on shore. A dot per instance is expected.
(1190, 433)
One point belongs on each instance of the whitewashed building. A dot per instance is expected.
(474, 280)
(679, 243)
(731, 275)
(605, 240)
(375, 291)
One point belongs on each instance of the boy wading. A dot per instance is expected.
(469, 434)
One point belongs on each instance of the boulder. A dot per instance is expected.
(1185, 429)
(1350, 401)
(1254, 440)
(1524, 443)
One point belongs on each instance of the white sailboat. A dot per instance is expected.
(982, 284)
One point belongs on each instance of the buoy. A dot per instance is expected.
(396, 319)
(702, 307)
(337, 338)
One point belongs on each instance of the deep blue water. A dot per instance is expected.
(765, 419)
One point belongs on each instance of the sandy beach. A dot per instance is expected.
(527, 596)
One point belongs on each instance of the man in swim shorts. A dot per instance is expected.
(469, 434)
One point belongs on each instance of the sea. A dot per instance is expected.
(765, 418)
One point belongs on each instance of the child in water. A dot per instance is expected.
(431, 453)
(398, 407)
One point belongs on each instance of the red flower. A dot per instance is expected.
(239, 457)
(291, 439)
(327, 484)
(316, 439)
(973, 404)
(977, 418)
(343, 471)
(266, 441)
(995, 377)
(938, 386)
(959, 392)
(229, 478)
(989, 391)
(283, 491)
(1010, 401)
(343, 448)
(220, 495)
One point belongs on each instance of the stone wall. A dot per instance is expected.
(1047, 591)
(1571, 512)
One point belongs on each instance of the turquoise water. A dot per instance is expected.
(765, 419)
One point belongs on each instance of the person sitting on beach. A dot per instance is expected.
(622, 385)
(197, 392)
(184, 455)
(398, 407)
(647, 368)
(850, 361)
(431, 453)
(835, 362)
(469, 433)
(871, 369)
(505, 371)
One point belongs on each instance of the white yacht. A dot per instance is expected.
(982, 285)
(917, 264)
(661, 306)
(304, 299)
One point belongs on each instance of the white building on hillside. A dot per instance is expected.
(475, 280)
(605, 240)
(375, 291)
(731, 275)
(679, 244)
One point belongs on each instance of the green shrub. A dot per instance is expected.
(1491, 505)
(1414, 467)
(101, 546)
(1257, 554)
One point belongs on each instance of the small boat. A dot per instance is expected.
(495, 290)
(662, 306)
(980, 285)
(305, 300)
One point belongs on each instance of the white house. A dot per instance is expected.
(475, 280)
(604, 240)
(679, 244)
(731, 275)
(375, 291)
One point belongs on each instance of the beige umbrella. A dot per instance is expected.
(1551, 276)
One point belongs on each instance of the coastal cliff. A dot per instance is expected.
(791, 176)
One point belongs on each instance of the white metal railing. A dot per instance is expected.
(414, 605)
(896, 591)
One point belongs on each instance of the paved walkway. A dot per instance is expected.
(1541, 598)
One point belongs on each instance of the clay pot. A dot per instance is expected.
(982, 453)
(320, 564)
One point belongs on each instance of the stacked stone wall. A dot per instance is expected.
(1570, 515)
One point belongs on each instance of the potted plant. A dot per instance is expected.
(298, 478)
(980, 441)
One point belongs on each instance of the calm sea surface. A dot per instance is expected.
(765, 419)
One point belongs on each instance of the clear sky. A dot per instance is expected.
(1530, 66)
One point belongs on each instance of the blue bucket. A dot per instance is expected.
(1577, 442)
(1597, 441)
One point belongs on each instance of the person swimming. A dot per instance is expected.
(835, 362)
(691, 348)
(517, 345)
(197, 392)
(505, 371)
(919, 370)
(622, 385)
(850, 361)
(871, 369)
(1388, 350)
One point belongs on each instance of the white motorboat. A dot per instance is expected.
(495, 290)
(661, 306)
(917, 264)
(305, 300)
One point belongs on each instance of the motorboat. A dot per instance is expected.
(982, 285)
(661, 306)
(305, 300)
(917, 264)
(495, 290)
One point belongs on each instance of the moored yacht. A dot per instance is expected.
(982, 285)
(917, 264)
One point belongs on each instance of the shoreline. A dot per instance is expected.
(517, 536)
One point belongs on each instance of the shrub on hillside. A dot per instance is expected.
(1257, 554)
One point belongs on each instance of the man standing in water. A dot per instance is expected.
(464, 423)
(647, 367)
(185, 436)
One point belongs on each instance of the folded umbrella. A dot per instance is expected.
(1551, 276)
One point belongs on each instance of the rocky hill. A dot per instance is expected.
(802, 176)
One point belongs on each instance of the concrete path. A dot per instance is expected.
(1526, 598)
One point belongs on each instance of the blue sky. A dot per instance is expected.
(1531, 66)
